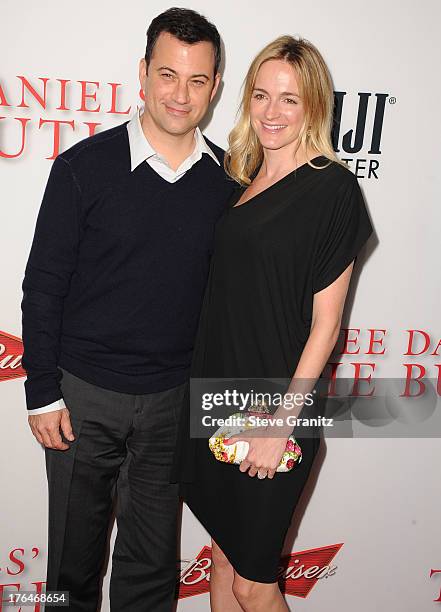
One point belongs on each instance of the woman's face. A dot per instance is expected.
(276, 109)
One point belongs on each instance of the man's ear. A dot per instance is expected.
(142, 72)
(217, 80)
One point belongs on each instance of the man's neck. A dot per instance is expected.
(174, 148)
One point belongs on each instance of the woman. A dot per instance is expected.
(283, 258)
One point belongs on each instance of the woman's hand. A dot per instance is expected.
(264, 453)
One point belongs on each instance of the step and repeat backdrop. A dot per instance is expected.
(367, 532)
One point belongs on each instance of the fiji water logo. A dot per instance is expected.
(358, 130)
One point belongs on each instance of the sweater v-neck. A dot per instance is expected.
(167, 185)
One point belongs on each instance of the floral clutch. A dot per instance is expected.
(236, 453)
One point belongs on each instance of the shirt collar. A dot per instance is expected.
(141, 149)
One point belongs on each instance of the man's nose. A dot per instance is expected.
(181, 94)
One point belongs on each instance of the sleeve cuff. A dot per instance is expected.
(57, 405)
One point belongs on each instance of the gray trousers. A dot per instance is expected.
(122, 451)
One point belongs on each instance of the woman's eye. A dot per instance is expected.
(290, 101)
(258, 96)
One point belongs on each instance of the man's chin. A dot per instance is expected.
(178, 130)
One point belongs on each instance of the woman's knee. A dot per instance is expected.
(246, 591)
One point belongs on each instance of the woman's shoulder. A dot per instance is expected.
(236, 191)
(336, 173)
(334, 188)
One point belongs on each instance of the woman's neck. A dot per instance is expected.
(278, 163)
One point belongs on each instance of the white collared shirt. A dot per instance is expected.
(141, 151)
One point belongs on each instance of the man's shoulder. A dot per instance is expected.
(110, 140)
(218, 151)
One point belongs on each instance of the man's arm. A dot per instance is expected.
(51, 262)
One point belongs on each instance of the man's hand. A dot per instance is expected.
(46, 428)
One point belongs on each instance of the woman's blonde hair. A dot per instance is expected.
(245, 153)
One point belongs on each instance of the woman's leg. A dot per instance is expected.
(258, 596)
(222, 598)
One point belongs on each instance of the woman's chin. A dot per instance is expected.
(272, 144)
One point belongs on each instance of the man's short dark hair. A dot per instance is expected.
(187, 26)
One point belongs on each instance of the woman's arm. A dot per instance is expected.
(327, 312)
(266, 451)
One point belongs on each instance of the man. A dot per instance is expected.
(112, 294)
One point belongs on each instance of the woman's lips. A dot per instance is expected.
(272, 129)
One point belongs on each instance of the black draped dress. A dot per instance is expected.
(271, 255)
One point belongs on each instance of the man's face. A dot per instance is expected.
(178, 84)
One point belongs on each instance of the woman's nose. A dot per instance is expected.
(272, 111)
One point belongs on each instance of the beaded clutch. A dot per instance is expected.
(236, 453)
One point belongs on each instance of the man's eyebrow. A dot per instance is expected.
(284, 93)
(193, 76)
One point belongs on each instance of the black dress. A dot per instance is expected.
(271, 255)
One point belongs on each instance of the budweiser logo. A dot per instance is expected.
(11, 352)
(299, 572)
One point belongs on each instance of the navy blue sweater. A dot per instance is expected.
(115, 278)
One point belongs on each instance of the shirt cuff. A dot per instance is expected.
(57, 405)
